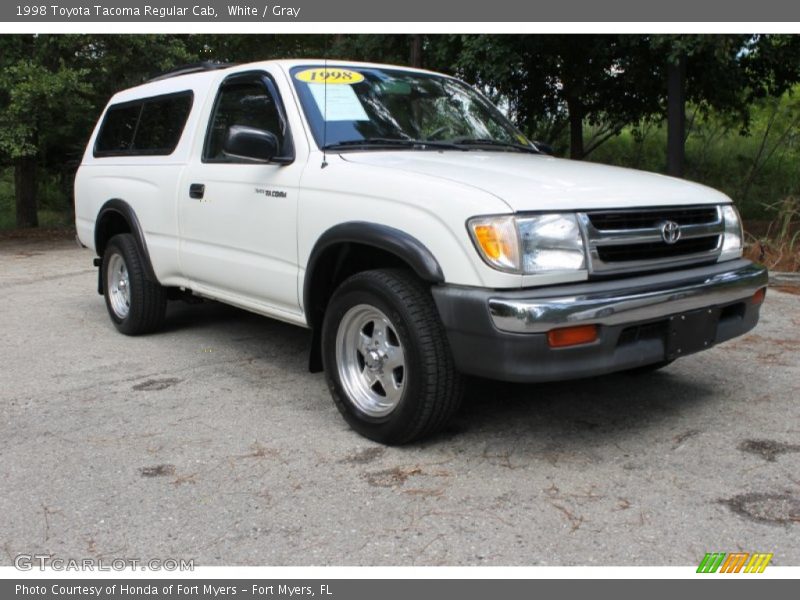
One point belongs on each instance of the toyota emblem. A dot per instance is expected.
(670, 232)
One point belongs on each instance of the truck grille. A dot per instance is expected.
(633, 240)
(656, 250)
(603, 221)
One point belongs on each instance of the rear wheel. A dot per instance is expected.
(135, 304)
(386, 357)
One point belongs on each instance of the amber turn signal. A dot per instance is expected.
(572, 336)
(759, 296)
(495, 246)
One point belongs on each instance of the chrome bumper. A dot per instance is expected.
(614, 308)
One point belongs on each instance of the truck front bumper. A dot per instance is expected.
(503, 334)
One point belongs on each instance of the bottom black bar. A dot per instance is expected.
(732, 586)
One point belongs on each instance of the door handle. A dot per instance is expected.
(197, 190)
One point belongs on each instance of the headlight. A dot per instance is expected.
(530, 245)
(732, 239)
(551, 243)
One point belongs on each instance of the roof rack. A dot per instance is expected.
(199, 67)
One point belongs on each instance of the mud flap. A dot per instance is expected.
(98, 262)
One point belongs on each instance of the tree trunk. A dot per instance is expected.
(416, 51)
(676, 116)
(25, 191)
(575, 129)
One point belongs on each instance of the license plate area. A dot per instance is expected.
(691, 332)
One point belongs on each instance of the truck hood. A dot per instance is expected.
(539, 182)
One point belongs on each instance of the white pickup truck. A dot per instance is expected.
(404, 220)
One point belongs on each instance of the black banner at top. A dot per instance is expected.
(441, 11)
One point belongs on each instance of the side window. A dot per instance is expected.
(116, 135)
(161, 124)
(151, 126)
(251, 103)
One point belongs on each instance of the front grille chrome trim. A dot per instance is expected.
(595, 239)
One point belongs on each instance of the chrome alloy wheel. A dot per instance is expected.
(119, 290)
(370, 360)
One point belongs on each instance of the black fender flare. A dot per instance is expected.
(394, 241)
(123, 209)
(397, 242)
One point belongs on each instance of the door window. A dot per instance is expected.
(250, 103)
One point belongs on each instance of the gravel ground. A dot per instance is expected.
(211, 441)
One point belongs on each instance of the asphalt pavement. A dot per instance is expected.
(210, 441)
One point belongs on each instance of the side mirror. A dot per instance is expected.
(251, 143)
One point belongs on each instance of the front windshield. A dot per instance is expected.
(361, 104)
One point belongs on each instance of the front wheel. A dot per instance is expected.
(387, 360)
(135, 304)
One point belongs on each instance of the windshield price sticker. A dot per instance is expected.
(338, 103)
(330, 76)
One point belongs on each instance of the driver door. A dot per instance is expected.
(238, 217)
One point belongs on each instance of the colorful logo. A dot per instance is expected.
(735, 562)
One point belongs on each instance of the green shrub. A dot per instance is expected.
(757, 169)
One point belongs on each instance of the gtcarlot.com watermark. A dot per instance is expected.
(28, 562)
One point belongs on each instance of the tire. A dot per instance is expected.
(651, 368)
(135, 304)
(386, 357)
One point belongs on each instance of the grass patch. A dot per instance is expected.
(776, 243)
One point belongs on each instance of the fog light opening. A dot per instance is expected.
(572, 336)
(759, 296)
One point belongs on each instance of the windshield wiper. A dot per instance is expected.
(495, 143)
(379, 141)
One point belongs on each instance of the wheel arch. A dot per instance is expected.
(339, 253)
(117, 216)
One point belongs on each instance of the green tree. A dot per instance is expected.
(580, 88)
(724, 74)
(43, 100)
(250, 48)
(606, 82)
(553, 82)
(52, 89)
(393, 49)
